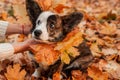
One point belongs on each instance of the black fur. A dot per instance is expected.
(33, 11)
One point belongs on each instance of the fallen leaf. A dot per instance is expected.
(15, 73)
(95, 50)
(97, 74)
(59, 8)
(67, 46)
(45, 53)
(56, 76)
(112, 68)
(107, 29)
(45, 4)
(4, 15)
(78, 75)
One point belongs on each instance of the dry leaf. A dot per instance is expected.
(78, 75)
(113, 68)
(4, 15)
(45, 53)
(59, 8)
(56, 76)
(108, 30)
(15, 73)
(97, 74)
(66, 47)
(95, 49)
(45, 4)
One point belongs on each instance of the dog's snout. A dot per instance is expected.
(37, 33)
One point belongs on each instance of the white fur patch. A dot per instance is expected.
(42, 26)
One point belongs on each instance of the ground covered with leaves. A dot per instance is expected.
(89, 52)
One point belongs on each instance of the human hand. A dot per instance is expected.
(24, 46)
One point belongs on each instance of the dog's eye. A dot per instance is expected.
(38, 22)
(52, 26)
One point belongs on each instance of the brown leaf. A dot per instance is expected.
(15, 73)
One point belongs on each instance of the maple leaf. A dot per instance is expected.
(107, 29)
(45, 53)
(97, 74)
(15, 73)
(66, 47)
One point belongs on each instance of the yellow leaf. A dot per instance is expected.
(15, 73)
(107, 29)
(66, 47)
(95, 49)
(65, 58)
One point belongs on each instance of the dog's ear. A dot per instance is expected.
(70, 21)
(33, 10)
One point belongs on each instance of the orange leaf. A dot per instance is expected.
(74, 38)
(4, 15)
(15, 73)
(56, 76)
(59, 8)
(45, 53)
(97, 74)
(45, 4)
(77, 75)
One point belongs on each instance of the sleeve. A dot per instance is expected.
(3, 28)
(6, 50)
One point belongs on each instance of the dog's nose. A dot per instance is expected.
(37, 33)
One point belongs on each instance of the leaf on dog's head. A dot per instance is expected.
(15, 73)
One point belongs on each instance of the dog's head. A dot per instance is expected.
(49, 26)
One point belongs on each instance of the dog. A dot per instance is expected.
(49, 27)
